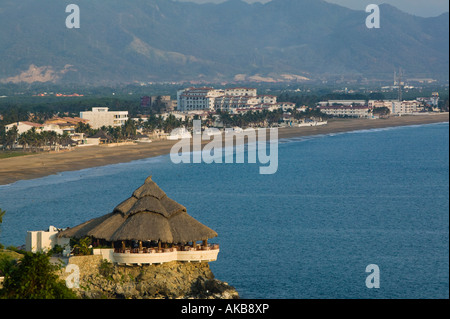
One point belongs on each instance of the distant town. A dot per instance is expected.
(159, 115)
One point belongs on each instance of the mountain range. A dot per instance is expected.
(163, 40)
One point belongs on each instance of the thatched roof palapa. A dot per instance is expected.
(102, 135)
(149, 214)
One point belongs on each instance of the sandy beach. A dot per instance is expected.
(43, 164)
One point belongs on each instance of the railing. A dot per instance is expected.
(158, 256)
(156, 250)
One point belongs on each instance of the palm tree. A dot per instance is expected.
(64, 138)
(129, 129)
(171, 123)
(52, 138)
(210, 120)
(82, 247)
(11, 137)
(84, 128)
(22, 140)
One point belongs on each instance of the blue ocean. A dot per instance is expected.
(338, 203)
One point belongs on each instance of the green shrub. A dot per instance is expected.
(34, 277)
(106, 269)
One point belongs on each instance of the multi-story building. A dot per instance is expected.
(406, 107)
(432, 101)
(267, 99)
(148, 101)
(229, 102)
(101, 116)
(285, 106)
(397, 107)
(241, 92)
(346, 110)
(343, 102)
(24, 126)
(193, 99)
(206, 98)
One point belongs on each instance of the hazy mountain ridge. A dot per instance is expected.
(156, 40)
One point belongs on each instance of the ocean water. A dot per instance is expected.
(337, 203)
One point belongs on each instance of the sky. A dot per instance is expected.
(423, 8)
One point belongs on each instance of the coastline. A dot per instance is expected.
(44, 164)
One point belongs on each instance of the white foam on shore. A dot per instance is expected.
(359, 131)
(76, 175)
(111, 169)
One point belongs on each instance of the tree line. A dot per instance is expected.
(34, 141)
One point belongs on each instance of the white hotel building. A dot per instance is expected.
(101, 116)
(346, 110)
(194, 99)
(397, 107)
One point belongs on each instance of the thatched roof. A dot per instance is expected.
(102, 135)
(147, 215)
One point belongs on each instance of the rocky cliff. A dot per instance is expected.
(174, 280)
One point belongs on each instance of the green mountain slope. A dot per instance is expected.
(159, 40)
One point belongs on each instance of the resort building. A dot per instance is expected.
(147, 228)
(397, 107)
(149, 101)
(346, 111)
(229, 102)
(241, 92)
(101, 116)
(44, 241)
(58, 125)
(63, 125)
(407, 107)
(285, 106)
(195, 99)
(343, 102)
(24, 126)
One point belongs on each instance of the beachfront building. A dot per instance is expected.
(101, 116)
(267, 99)
(230, 102)
(231, 99)
(343, 102)
(397, 107)
(57, 124)
(24, 126)
(346, 111)
(241, 91)
(285, 106)
(63, 125)
(194, 99)
(148, 228)
(407, 107)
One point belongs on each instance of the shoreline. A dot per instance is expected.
(44, 164)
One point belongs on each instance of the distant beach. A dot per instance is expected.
(44, 164)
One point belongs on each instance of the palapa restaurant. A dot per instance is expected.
(147, 228)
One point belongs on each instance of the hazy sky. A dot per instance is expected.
(424, 8)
